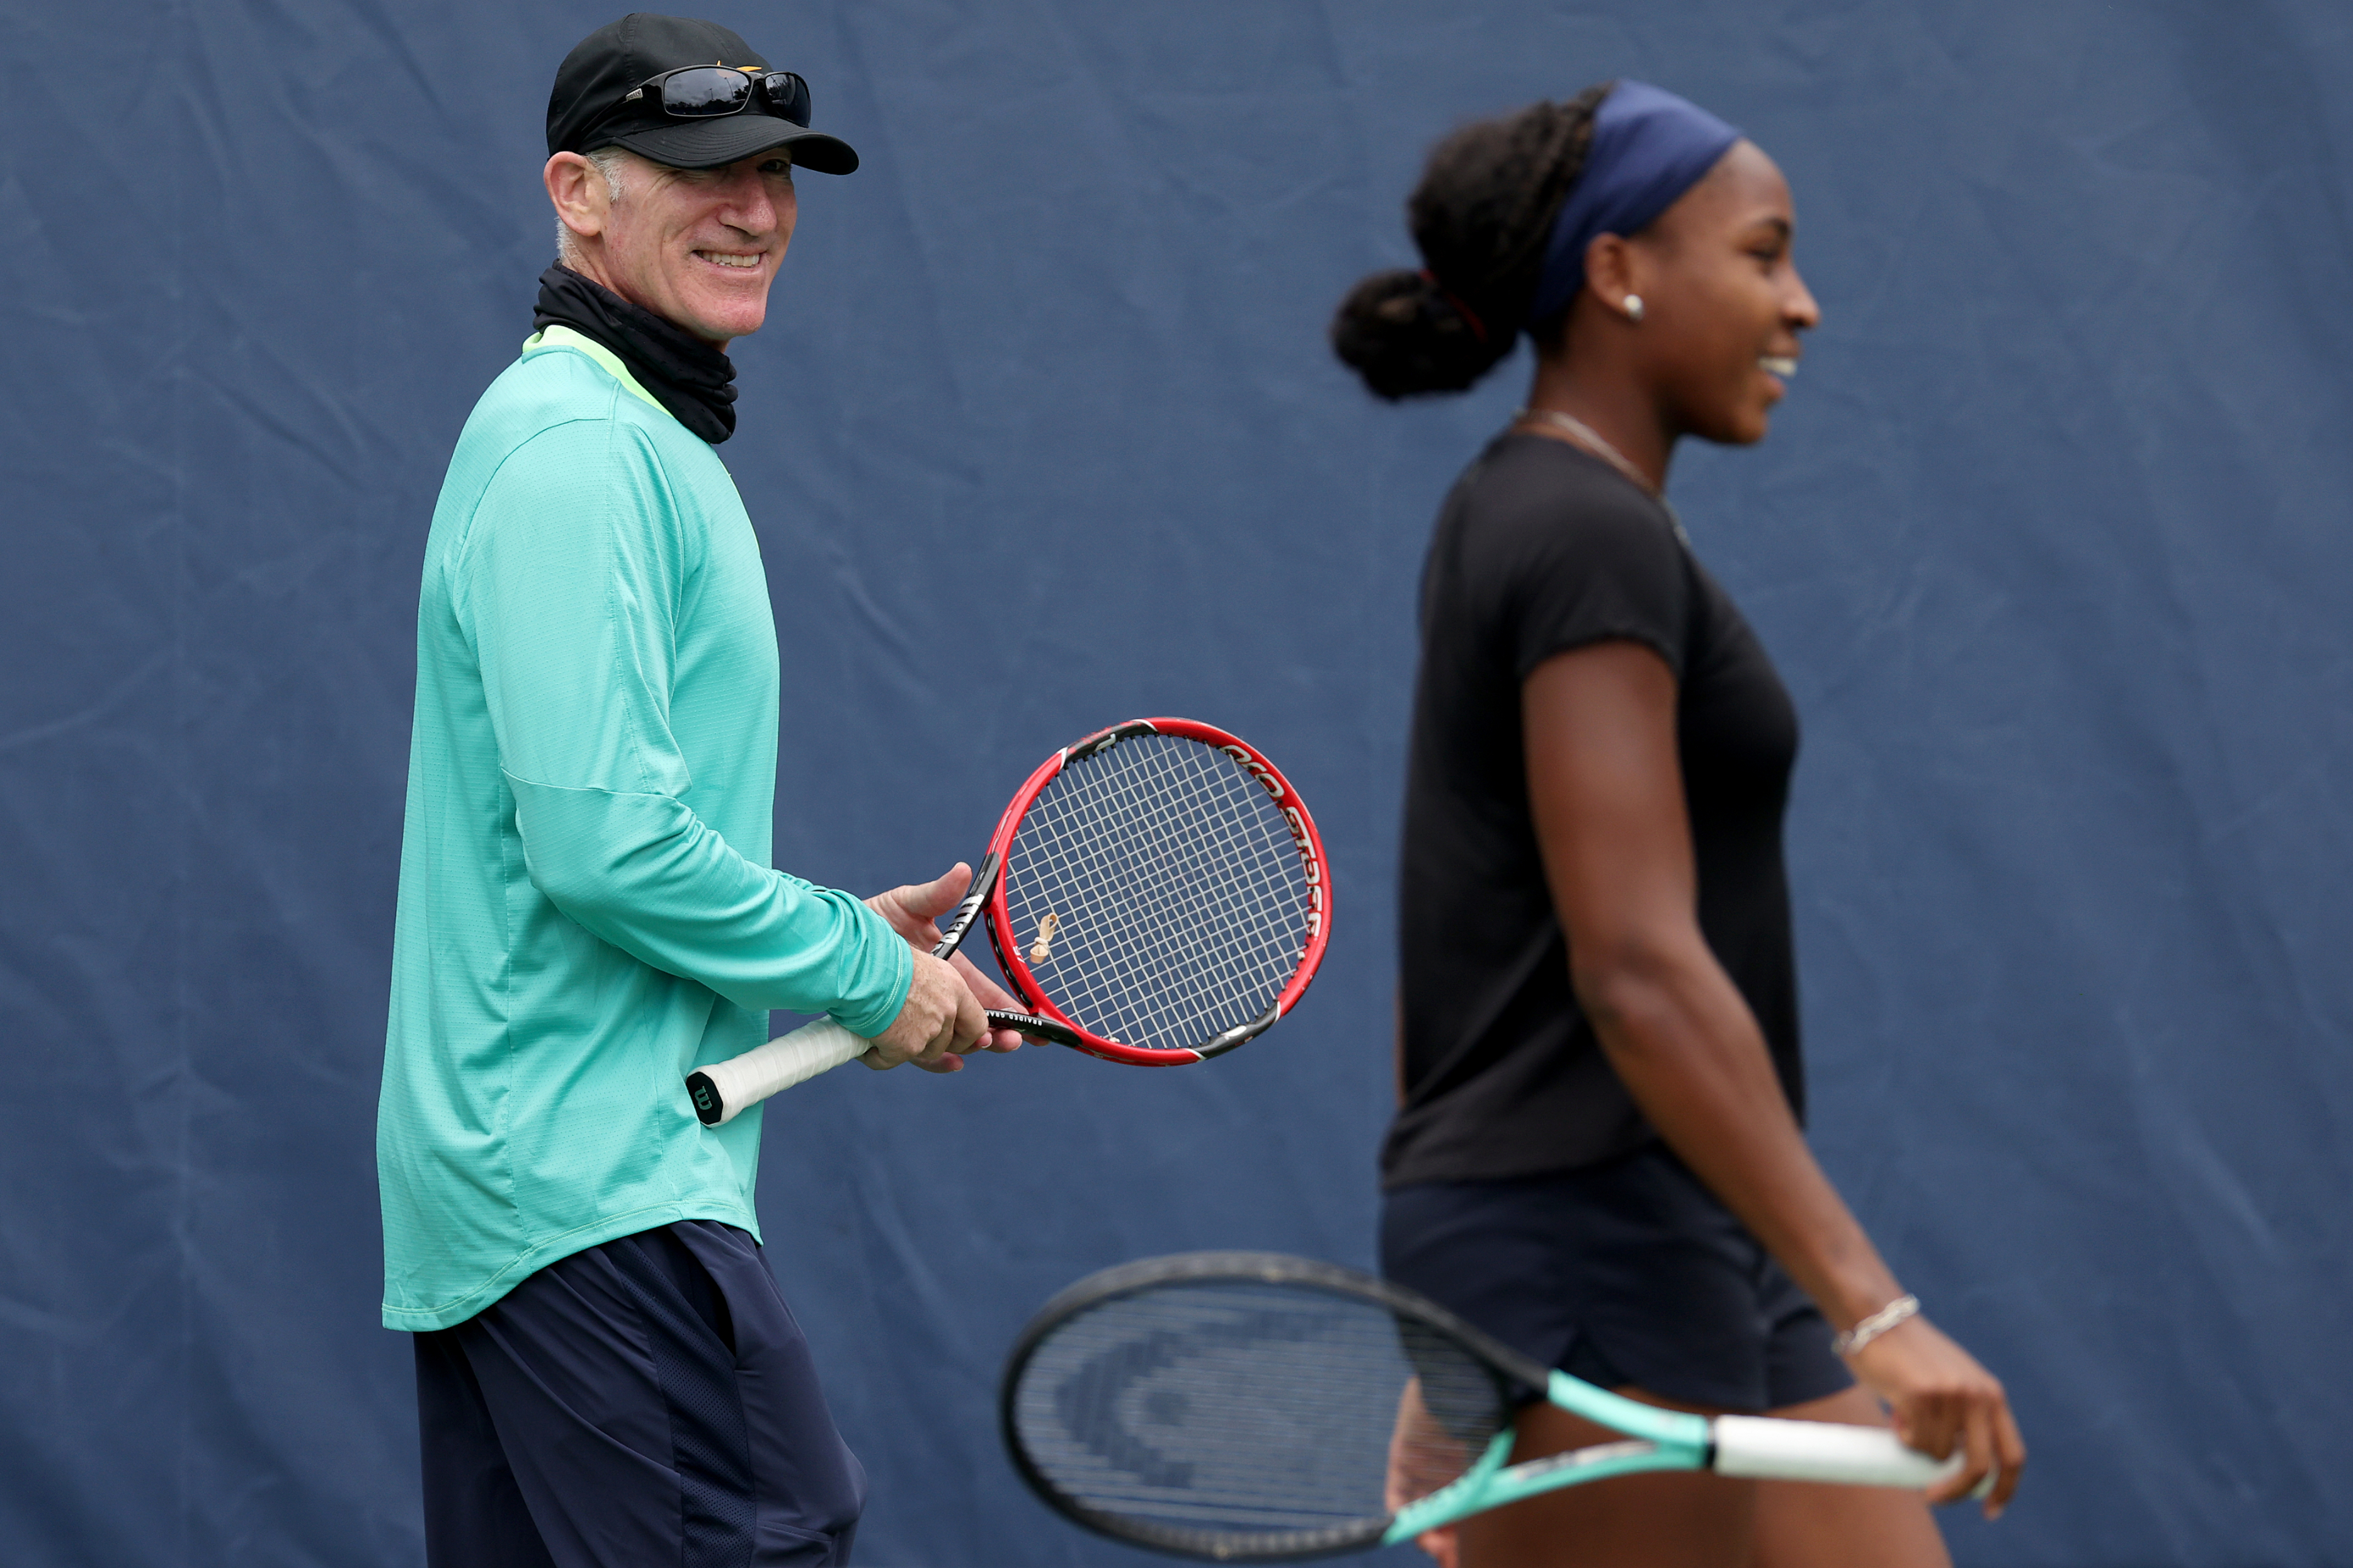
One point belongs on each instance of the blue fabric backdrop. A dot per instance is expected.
(2051, 542)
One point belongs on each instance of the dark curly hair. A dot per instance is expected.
(1480, 216)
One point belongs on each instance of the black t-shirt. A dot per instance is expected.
(1543, 547)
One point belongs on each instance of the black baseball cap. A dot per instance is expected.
(586, 110)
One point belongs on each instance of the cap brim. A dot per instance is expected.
(717, 143)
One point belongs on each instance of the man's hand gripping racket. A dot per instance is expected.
(1155, 893)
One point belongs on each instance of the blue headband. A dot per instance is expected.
(1648, 147)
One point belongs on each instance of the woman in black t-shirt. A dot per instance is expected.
(1596, 1154)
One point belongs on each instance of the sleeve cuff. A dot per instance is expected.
(897, 962)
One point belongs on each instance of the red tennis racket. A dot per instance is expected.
(1156, 893)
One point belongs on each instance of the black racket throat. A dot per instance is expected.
(960, 924)
(984, 882)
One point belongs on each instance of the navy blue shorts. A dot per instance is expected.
(1628, 1272)
(649, 1400)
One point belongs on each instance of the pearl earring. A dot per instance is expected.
(1634, 307)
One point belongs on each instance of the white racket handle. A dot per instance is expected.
(730, 1088)
(1762, 1446)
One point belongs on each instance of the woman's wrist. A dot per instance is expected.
(1850, 1341)
(1851, 1280)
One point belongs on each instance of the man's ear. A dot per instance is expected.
(579, 194)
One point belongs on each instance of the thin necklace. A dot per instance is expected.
(1590, 439)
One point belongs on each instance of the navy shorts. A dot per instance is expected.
(1628, 1272)
(649, 1400)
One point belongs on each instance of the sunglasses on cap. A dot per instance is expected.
(705, 92)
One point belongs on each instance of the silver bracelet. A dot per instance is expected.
(1878, 1323)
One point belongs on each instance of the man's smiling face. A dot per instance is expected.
(696, 246)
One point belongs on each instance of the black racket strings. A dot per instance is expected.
(1264, 1416)
(1179, 900)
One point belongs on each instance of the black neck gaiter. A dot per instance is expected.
(686, 375)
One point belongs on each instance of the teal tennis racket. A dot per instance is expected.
(1251, 1407)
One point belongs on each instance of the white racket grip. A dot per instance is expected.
(1762, 1446)
(745, 1081)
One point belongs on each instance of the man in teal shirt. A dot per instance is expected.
(605, 1372)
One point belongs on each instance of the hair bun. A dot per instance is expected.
(1401, 334)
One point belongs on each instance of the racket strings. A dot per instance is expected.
(1190, 821)
(1251, 1415)
(1180, 901)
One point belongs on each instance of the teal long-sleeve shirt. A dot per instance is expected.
(586, 908)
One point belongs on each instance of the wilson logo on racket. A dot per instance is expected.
(1310, 850)
(1257, 769)
(1304, 836)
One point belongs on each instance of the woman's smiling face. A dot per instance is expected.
(1723, 303)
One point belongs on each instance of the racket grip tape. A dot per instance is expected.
(1772, 1450)
(724, 1091)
